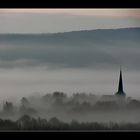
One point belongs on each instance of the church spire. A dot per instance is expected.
(120, 87)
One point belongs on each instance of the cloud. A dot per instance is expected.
(82, 12)
(61, 20)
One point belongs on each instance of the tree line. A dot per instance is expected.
(27, 122)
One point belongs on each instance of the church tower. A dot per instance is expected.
(120, 92)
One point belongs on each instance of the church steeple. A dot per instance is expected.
(120, 87)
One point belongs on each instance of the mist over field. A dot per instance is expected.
(83, 65)
(78, 61)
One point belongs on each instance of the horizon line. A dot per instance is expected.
(37, 33)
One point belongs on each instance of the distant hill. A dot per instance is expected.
(76, 48)
(76, 37)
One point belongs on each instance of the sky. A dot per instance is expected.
(64, 20)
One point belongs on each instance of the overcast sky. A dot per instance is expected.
(63, 20)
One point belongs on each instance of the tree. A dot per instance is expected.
(25, 102)
(59, 98)
(8, 107)
(58, 94)
(25, 107)
(24, 122)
